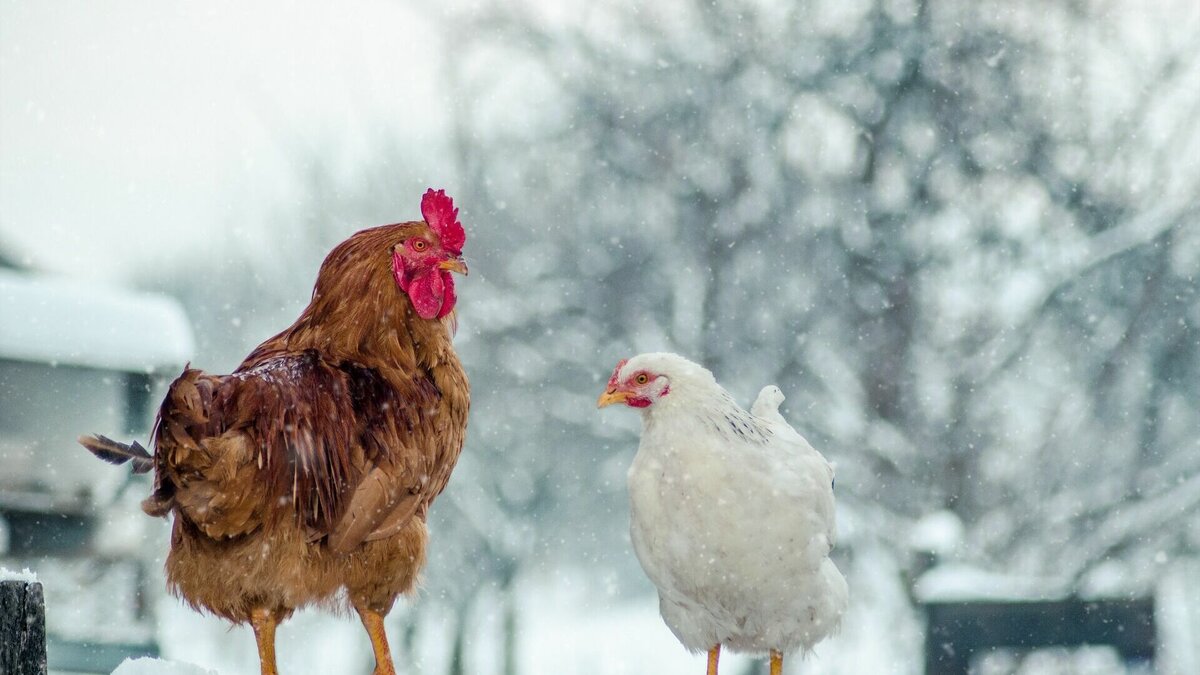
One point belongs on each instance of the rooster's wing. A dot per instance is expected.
(405, 441)
(342, 448)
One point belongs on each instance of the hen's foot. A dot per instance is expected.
(714, 655)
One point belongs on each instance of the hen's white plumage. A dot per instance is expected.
(732, 512)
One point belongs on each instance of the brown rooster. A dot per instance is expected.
(311, 467)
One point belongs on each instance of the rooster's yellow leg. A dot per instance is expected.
(373, 622)
(713, 655)
(776, 662)
(263, 620)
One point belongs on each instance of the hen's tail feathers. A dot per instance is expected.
(766, 405)
(114, 452)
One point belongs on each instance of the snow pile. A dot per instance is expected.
(955, 582)
(940, 533)
(24, 575)
(148, 666)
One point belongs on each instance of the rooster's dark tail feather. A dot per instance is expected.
(114, 452)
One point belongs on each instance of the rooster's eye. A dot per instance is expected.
(642, 379)
(420, 245)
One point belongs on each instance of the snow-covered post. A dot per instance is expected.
(22, 626)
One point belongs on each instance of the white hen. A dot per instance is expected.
(732, 514)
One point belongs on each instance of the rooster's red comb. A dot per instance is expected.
(438, 210)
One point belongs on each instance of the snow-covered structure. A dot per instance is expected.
(75, 358)
(973, 612)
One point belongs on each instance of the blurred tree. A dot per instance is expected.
(962, 235)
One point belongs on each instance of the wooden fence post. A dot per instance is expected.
(22, 628)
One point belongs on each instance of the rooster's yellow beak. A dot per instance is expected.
(610, 397)
(454, 265)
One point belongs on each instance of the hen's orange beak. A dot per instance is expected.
(612, 396)
(454, 265)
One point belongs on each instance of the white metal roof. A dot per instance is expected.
(70, 322)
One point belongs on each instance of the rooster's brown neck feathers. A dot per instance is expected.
(357, 310)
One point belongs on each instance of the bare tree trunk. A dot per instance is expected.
(509, 644)
(755, 667)
(408, 641)
(458, 662)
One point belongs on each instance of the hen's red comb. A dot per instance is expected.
(613, 381)
(438, 210)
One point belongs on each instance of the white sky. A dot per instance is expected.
(134, 128)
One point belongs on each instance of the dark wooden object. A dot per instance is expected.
(22, 628)
(956, 631)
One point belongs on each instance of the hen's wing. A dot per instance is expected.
(337, 446)
(812, 475)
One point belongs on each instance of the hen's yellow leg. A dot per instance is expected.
(776, 662)
(263, 620)
(714, 655)
(373, 622)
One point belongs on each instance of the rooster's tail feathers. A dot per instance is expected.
(115, 452)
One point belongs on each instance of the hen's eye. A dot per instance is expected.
(642, 379)
(420, 245)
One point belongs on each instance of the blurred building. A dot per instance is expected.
(75, 358)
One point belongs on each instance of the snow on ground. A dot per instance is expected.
(146, 666)
(568, 623)
(24, 575)
(93, 600)
(567, 631)
(309, 642)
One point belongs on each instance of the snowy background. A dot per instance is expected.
(963, 237)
